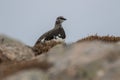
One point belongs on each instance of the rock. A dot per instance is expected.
(34, 74)
(83, 60)
(15, 50)
(89, 60)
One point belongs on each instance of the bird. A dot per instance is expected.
(51, 37)
(56, 34)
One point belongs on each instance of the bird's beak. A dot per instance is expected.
(65, 19)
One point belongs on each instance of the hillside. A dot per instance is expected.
(92, 58)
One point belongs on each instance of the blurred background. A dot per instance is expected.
(27, 20)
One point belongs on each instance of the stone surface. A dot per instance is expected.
(86, 60)
(14, 50)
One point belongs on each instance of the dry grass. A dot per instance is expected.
(43, 48)
(101, 38)
(9, 68)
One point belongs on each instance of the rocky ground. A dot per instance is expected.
(91, 58)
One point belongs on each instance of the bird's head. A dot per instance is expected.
(60, 19)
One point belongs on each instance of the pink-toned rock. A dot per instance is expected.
(15, 50)
(86, 60)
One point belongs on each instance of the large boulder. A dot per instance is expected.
(84, 60)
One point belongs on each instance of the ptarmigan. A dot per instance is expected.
(51, 38)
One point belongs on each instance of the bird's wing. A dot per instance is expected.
(51, 34)
(47, 34)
